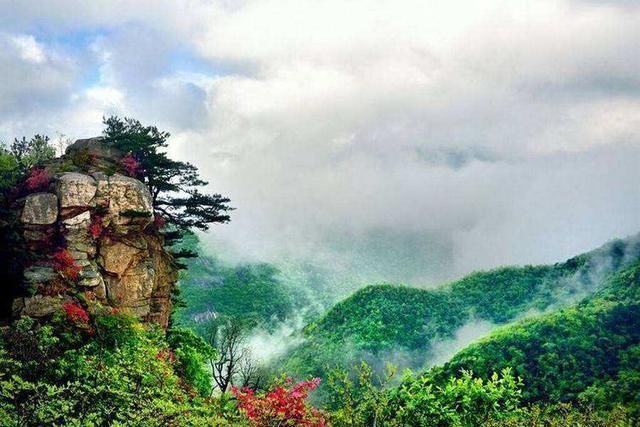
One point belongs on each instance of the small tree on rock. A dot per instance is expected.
(175, 186)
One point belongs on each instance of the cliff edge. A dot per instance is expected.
(89, 234)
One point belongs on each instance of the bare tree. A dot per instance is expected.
(227, 336)
(61, 143)
(250, 373)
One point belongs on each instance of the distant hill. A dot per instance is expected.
(211, 288)
(410, 326)
(589, 352)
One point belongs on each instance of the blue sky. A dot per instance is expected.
(475, 133)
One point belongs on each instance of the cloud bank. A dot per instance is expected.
(405, 140)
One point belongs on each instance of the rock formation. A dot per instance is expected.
(91, 236)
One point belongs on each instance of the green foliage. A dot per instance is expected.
(251, 291)
(116, 329)
(462, 401)
(588, 353)
(192, 355)
(417, 401)
(174, 185)
(360, 401)
(386, 318)
(124, 375)
(563, 415)
(8, 170)
(29, 153)
(22, 155)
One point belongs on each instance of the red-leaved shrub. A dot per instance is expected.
(284, 405)
(75, 313)
(96, 228)
(131, 165)
(38, 180)
(159, 221)
(64, 263)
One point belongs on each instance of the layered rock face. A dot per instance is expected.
(93, 234)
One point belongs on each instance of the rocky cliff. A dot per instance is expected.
(90, 237)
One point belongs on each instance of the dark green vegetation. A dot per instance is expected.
(577, 366)
(378, 323)
(263, 293)
(109, 370)
(590, 352)
(254, 292)
(175, 186)
(16, 161)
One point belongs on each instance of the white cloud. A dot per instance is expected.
(472, 133)
(30, 50)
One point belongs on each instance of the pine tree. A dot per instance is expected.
(175, 186)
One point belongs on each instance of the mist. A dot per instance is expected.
(443, 350)
(399, 141)
(266, 346)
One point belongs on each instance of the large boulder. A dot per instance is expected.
(91, 148)
(39, 305)
(128, 200)
(116, 257)
(40, 209)
(76, 190)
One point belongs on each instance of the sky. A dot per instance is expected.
(406, 140)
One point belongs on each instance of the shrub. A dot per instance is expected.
(192, 354)
(131, 165)
(66, 265)
(32, 343)
(284, 405)
(463, 401)
(38, 180)
(116, 329)
(8, 170)
(89, 385)
(76, 313)
(96, 228)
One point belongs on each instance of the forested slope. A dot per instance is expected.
(379, 323)
(579, 365)
(590, 352)
(254, 292)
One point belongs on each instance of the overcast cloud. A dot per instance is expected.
(408, 140)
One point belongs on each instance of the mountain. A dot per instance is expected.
(255, 292)
(589, 352)
(414, 327)
(579, 365)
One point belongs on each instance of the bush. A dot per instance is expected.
(76, 313)
(66, 265)
(38, 180)
(464, 401)
(284, 405)
(131, 165)
(192, 354)
(44, 382)
(115, 329)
